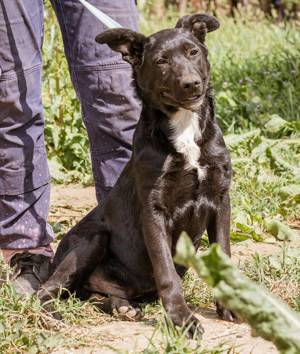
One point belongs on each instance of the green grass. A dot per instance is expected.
(25, 327)
(258, 180)
(279, 272)
(256, 72)
(172, 340)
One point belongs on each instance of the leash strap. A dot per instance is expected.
(101, 16)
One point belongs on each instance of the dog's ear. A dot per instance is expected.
(129, 43)
(198, 24)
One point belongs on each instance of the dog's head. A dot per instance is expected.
(171, 66)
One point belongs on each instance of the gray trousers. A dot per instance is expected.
(104, 86)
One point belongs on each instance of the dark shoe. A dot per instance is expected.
(31, 270)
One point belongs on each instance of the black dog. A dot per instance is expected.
(177, 179)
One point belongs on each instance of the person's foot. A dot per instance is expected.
(30, 271)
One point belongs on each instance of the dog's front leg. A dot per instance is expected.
(167, 280)
(218, 231)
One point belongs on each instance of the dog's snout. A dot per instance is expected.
(191, 84)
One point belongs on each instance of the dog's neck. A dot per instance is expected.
(186, 131)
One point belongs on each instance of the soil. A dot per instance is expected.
(69, 204)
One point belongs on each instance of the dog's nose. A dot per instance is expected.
(191, 85)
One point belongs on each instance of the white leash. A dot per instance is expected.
(101, 16)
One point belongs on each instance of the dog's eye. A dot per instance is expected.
(194, 52)
(161, 61)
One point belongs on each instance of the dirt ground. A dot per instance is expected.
(70, 203)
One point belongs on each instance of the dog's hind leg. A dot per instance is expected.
(78, 254)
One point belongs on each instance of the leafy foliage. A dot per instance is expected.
(280, 231)
(265, 181)
(255, 74)
(267, 315)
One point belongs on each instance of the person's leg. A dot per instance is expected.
(104, 85)
(24, 176)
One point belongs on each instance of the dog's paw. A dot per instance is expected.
(51, 311)
(188, 323)
(127, 313)
(44, 295)
(124, 310)
(225, 314)
(45, 298)
(194, 328)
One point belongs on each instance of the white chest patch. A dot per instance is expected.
(186, 132)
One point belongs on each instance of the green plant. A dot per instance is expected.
(25, 327)
(169, 339)
(278, 272)
(267, 315)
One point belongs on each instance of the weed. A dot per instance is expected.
(174, 340)
(280, 273)
(25, 327)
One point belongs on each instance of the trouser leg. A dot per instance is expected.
(24, 176)
(104, 85)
